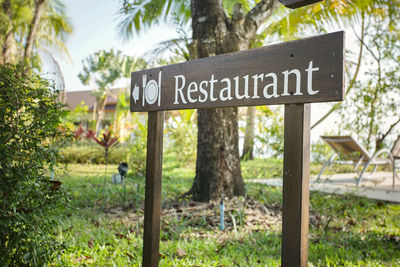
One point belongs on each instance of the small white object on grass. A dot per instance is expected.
(116, 178)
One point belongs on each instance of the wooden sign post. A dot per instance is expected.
(294, 73)
(296, 174)
(152, 205)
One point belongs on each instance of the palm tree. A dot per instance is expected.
(218, 27)
(225, 26)
(28, 26)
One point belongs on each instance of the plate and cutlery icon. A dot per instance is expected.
(151, 91)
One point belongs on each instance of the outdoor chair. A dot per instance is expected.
(348, 151)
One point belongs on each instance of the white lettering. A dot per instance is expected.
(310, 69)
(221, 90)
(256, 78)
(212, 81)
(286, 82)
(274, 86)
(246, 87)
(179, 90)
(226, 89)
(203, 91)
(191, 89)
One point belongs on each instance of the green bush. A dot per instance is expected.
(180, 140)
(320, 152)
(30, 137)
(93, 154)
(181, 135)
(138, 147)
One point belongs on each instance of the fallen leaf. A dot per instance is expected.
(129, 255)
(181, 253)
(119, 235)
(352, 221)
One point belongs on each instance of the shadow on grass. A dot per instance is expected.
(259, 248)
(352, 249)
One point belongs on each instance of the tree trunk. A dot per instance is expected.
(39, 4)
(6, 49)
(94, 114)
(248, 144)
(218, 163)
(100, 114)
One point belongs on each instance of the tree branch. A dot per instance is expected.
(39, 5)
(259, 14)
(383, 136)
(353, 80)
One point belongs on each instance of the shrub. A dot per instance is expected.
(94, 154)
(138, 147)
(320, 152)
(30, 136)
(181, 135)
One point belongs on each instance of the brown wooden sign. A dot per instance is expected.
(301, 71)
(297, 3)
(293, 73)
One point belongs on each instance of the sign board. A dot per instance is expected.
(294, 73)
(301, 71)
(297, 3)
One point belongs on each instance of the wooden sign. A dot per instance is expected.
(297, 3)
(294, 73)
(301, 71)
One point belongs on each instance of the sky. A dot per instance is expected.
(94, 28)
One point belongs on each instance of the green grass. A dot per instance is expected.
(104, 226)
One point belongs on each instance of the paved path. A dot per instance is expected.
(376, 186)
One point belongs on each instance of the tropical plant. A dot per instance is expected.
(30, 139)
(30, 26)
(90, 134)
(105, 68)
(270, 130)
(217, 27)
(78, 133)
(106, 141)
(138, 145)
(76, 115)
(181, 130)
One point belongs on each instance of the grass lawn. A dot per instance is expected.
(104, 224)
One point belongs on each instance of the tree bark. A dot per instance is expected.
(39, 5)
(6, 50)
(218, 163)
(100, 113)
(248, 144)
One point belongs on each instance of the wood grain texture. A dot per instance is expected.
(152, 206)
(325, 52)
(298, 3)
(296, 173)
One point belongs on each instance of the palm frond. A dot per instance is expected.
(137, 16)
(172, 48)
